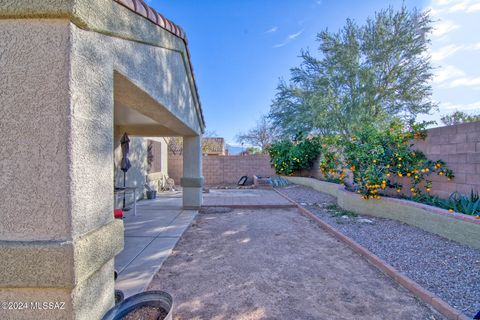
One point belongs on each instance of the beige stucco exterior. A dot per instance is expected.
(141, 172)
(76, 75)
(135, 176)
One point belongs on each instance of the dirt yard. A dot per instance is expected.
(276, 264)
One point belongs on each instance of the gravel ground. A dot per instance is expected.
(276, 264)
(448, 269)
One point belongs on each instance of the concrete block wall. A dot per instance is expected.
(459, 147)
(219, 170)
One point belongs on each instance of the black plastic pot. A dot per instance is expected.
(157, 299)
(151, 194)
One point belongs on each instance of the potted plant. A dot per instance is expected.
(151, 193)
(159, 301)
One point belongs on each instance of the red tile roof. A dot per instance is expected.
(142, 9)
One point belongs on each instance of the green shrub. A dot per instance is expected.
(288, 157)
(456, 202)
(376, 155)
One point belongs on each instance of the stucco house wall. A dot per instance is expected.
(159, 153)
(140, 167)
(135, 176)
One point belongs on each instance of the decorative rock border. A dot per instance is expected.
(454, 226)
(426, 296)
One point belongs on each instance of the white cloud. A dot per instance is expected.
(448, 106)
(445, 51)
(443, 27)
(451, 6)
(455, 45)
(473, 8)
(439, 54)
(461, 6)
(465, 82)
(294, 35)
(272, 30)
(452, 77)
(446, 73)
(475, 46)
(289, 38)
(467, 6)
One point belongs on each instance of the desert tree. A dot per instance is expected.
(261, 135)
(368, 73)
(458, 117)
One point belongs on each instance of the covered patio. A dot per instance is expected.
(150, 237)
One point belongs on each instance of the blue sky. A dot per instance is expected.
(240, 49)
(455, 53)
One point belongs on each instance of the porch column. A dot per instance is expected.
(192, 180)
(58, 237)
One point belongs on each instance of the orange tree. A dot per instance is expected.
(376, 155)
(331, 162)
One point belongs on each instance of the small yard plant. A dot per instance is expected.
(336, 211)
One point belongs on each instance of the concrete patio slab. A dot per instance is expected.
(138, 274)
(150, 237)
(149, 223)
(178, 226)
(132, 248)
(245, 198)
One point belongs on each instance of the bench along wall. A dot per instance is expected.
(218, 170)
(458, 146)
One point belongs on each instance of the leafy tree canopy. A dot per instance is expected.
(458, 117)
(367, 73)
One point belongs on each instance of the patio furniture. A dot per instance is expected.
(124, 191)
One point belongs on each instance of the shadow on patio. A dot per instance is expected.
(150, 237)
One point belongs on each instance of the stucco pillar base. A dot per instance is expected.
(192, 192)
(192, 181)
(192, 198)
(89, 299)
(60, 279)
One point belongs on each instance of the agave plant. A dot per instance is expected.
(465, 204)
(474, 196)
